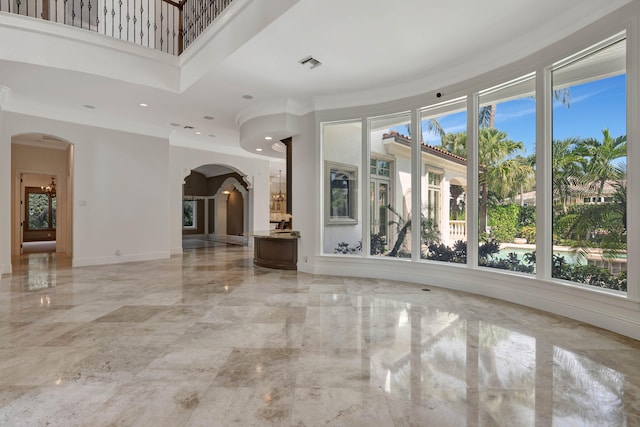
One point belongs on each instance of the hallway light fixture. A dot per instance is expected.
(51, 188)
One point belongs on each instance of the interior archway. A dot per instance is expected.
(215, 206)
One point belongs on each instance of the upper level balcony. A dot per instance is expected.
(166, 25)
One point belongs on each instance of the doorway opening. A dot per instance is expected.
(41, 195)
(215, 206)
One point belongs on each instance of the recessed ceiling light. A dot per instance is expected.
(268, 138)
(208, 117)
(175, 124)
(198, 133)
(258, 149)
(142, 104)
(247, 96)
(90, 107)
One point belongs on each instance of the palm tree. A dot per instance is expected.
(433, 126)
(566, 170)
(495, 152)
(598, 157)
(455, 143)
(499, 172)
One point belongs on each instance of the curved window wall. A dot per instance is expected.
(586, 188)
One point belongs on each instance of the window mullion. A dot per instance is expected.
(416, 171)
(472, 180)
(544, 185)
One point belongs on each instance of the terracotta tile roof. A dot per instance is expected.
(439, 152)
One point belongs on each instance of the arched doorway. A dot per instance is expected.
(215, 206)
(41, 214)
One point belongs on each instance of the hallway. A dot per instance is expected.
(207, 339)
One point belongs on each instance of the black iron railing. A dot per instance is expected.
(166, 25)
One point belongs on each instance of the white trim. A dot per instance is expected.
(633, 157)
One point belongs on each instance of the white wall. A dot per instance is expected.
(305, 181)
(5, 195)
(183, 160)
(120, 207)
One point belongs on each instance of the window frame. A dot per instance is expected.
(52, 213)
(351, 171)
(194, 204)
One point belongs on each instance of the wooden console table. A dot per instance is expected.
(276, 250)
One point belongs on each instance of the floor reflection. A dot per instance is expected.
(206, 338)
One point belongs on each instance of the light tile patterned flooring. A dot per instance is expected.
(207, 339)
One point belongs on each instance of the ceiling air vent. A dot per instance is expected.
(310, 62)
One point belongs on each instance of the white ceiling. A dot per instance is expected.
(371, 50)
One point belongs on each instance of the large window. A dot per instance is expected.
(342, 165)
(589, 167)
(583, 166)
(390, 186)
(506, 176)
(443, 225)
(41, 209)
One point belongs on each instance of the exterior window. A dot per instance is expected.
(380, 198)
(435, 179)
(433, 200)
(589, 167)
(506, 176)
(380, 167)
(189, 216)
(41, 209)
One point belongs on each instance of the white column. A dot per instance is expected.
(5, 188)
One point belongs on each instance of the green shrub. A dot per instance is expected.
(503, 220)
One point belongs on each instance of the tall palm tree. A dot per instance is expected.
(565, 164)
(495, 152)
(455, 143)
(598, 157)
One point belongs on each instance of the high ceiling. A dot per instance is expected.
(370, 50)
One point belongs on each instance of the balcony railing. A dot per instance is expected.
(457, 230)
(166, 25)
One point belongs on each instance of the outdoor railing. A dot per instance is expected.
(457, 230)
(166, 25)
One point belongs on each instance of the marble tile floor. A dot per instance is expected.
(207, 339)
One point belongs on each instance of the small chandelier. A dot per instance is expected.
(51, 188)
(280, 196)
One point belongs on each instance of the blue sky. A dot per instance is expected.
(594, 106)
